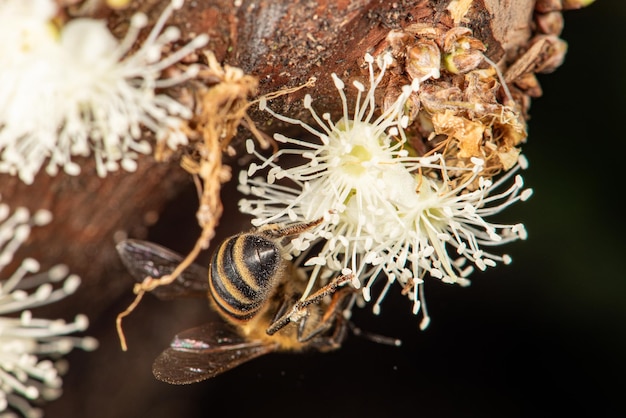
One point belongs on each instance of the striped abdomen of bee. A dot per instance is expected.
(244, 272)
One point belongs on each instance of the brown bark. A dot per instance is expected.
(283, 43)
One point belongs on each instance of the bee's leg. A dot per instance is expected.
(283, 311)
(299, 310)
(274, 232)
(333, 317)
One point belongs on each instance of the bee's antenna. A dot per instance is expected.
(377, 338)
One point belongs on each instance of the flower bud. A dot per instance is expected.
(423, 60)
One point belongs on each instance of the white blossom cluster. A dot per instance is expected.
(31, 349)
(76, 90)
(383, 218)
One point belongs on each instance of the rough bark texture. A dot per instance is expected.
(283, 43)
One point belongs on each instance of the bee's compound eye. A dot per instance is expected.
(261, 256)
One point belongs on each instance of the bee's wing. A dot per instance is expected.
(204, 352)
(143, 259)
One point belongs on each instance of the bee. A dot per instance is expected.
(256, 302)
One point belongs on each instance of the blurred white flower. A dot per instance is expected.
(31, 348)
(77, 90)
(382, 214)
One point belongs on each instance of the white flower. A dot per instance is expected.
(438, 218)
(30, 348)
(352, 177)
(77, 90)
(386, 213)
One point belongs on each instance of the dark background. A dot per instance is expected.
(545, 336)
